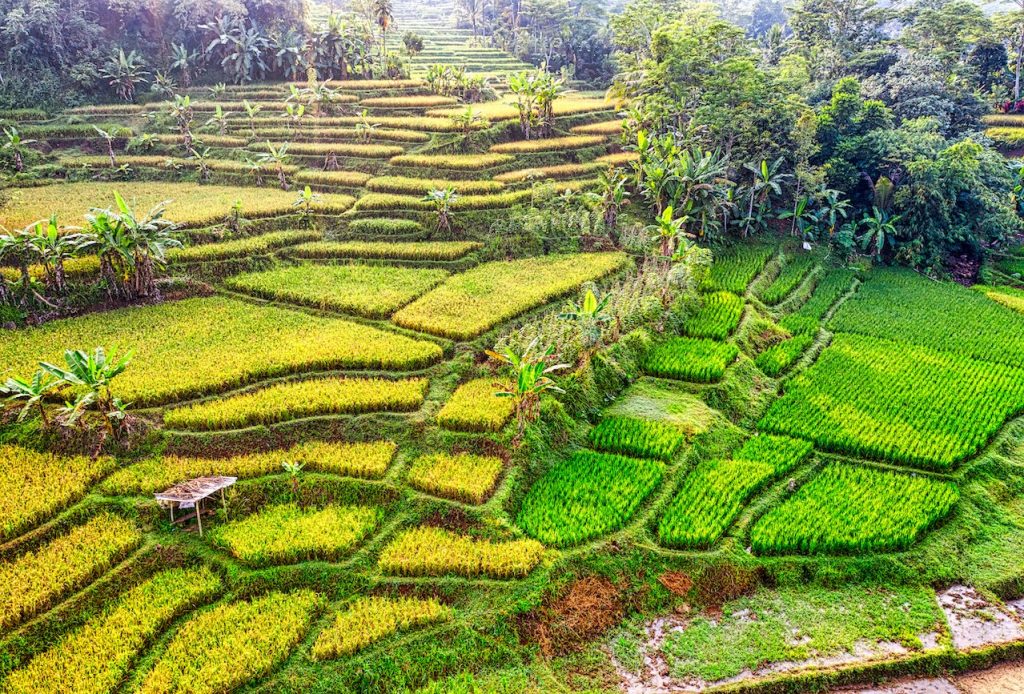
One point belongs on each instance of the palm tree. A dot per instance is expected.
(443, 200)
(383, 15)
(879, 231)
(18, 147)
(530, 372)
(768, 181)
(666, 231)
(124, 72)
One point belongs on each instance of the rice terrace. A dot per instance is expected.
(504, 346)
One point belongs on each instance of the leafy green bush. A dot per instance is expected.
(588, 495)
(690, 359)
(640, 438)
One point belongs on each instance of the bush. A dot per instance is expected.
(464, 477)
(430, 551)
(690, 359)
(232, 644)
(284, 401)
(474, 407)
(287, 534)
(369, 620)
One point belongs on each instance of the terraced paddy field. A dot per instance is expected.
(761, 485)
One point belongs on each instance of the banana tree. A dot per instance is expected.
(92, 374)
(879, 231)
(278, 157)
(108, 139)
(17, 146)
(30, 393)
(124, 72)
(443, 199)
(54, 248)
(591, 315)
(530, 379)
(185, 61)
(181, 110)
(666, 231)
(220, 119)
(611, 196)
(768, 182)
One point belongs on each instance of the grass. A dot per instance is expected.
(229, 342)
(295, 399)
(420, 186)
(718, 316)
(715, 492)
(368, 620)
(664, 402)
(690, 359)
(287, 534)
(640, 438)
(37, 579)
(474, 407)
(386, 250)
(549, 144)
(462, 476)
(430, 551)
(36, 485)
(455, 162)
(372, 291)
(588, 495)
(248, 246)
(605, 127)
(794, 624)
(232, 644)
(897, 402)
(1010, 297)
(190, 205)
(469, 304)
(97, 657)
(847, 508)
(367, 460)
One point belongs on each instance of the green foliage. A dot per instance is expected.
(586, 496)
(232, 644)
(368, 620)
(290, 400)
(717, 317)
(287, 534)
(897, 402)
(430, 551)
(848, 508)
(640, 438)
(95, 658)
(690, 359)
(366, 290)
(462, 476)
(715, 492)
(735, 268)
(793, 272)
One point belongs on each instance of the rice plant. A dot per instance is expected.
(390, 201)
(456, 162)
(849, 508)
(549, 144)
(475, 407)
(605, 127)
(368, 620)
(420, 186)
(387, 250)
(777, 358)
(286, 534)
(431, 551)
(805, 320)
(342, 179)
(224, 648)
(735, 268)
(461, 476)
(718, 316)
(792, 274)
(385, 226)
(640, 438)
(690, 359)
(414, 101)
(586, 496)
(294, 399)
(248, 246)
(343, 149)
(557, 172)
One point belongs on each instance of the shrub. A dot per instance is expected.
(469, 304)
(897, 402)
(735, 268)
(474, 407)
(465, 477)
(420, 186)
(190, 206)
(457, 162)
(588, 495)
(718, 316)
(97, 657)
(690, 359)
(386, 226)
(36, 485)
(777, 358)
(369, 460)
(549, 144)
(430, 551)
(640, 438)
(232, 644)
(390, 250)
(229, 342)
(344, 179)
(368, 620)
(248, 246)
(848, 508)
(287, 534)
(714, 493)
(415, 101)
(366, 290)
(793, 273)
(291, 400)
(37, 579)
